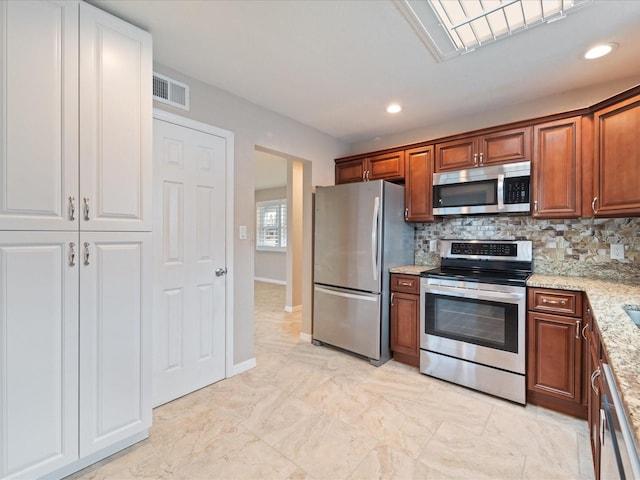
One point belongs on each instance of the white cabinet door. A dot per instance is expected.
(115, 123)
(38, 115)
(38, 353)
(115, 355)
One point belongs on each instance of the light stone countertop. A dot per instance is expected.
(620, 336)
(411, 269)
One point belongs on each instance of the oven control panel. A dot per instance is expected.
(485, 249)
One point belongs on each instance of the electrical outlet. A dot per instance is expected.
(433, 245)
(617, 251)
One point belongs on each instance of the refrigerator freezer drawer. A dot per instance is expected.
(347, 319)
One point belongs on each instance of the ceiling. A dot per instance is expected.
(335, 65)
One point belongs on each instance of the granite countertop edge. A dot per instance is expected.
(411, 269)
(620, 336)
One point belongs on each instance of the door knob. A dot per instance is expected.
(220, 272)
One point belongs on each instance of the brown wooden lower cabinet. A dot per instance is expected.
(405, 318)
(555, 348)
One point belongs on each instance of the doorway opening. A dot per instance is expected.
(284, 232)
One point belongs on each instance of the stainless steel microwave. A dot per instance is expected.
(495, 189)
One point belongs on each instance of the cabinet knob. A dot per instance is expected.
(86, 208)
(594, 375)
(554, 302)
(72, 208)
(584, 329)
(72, 254)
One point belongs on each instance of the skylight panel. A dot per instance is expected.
(452, 27)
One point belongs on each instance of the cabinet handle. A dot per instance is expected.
(368, 175)
(602, 433)
(72, 254)
(594, 375)
(86, 253)
(578, 322)
(72, 208)
(554, 302)
(481, 158)
(584, 329)
(86, 208)
(475, 159)
(405, 284)
(406, 214)
(535, 206)
(392, 294)
(593, 205)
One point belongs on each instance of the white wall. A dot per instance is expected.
(295, 200)
(253, 125)
(271, 265)
(570, 100)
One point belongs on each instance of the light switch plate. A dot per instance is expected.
(617, 251)
(243, 232)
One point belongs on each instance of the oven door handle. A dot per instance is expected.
(505, 297)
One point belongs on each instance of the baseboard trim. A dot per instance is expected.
(269, 280)
(244, 366)
(290, 309)
(97, 456)
(305, 337)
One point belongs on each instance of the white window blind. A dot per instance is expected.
(271, 225)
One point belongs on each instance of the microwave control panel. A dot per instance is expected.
(516, 190)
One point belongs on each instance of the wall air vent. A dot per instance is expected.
(170, 91)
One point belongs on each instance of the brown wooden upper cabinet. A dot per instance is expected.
(505, 146)
(617, 160)
(387, 166)
(556, 169)
(418, 192)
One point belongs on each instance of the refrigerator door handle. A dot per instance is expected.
(328, 291)
(374, 237)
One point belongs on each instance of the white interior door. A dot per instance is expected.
(189, 245)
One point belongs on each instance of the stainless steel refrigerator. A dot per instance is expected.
(359, 234)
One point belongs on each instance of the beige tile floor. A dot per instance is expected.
(309, 412)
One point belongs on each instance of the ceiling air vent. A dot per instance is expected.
(170, 91)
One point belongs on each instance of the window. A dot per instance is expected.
(271, 225)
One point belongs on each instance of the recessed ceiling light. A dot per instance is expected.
(394, 108)
(600, 50)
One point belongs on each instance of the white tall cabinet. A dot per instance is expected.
(75, 241)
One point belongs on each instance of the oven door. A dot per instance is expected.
(484, 324)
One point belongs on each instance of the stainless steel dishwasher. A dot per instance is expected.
(618, 452)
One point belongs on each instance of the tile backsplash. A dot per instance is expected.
(578, 247)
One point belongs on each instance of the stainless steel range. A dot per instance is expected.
(473, 316)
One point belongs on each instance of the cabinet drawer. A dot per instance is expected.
(405, 283)
(555, 301)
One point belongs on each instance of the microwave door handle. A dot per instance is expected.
(500, 191)
(374, 237)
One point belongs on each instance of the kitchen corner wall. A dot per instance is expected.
(577, 247)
